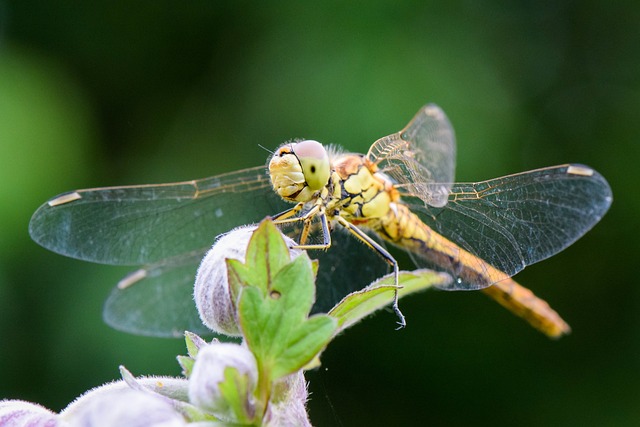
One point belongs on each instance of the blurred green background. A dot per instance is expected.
(109, 93)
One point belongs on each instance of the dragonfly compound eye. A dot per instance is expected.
(315, 163)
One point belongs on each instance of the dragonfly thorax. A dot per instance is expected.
(299, 170)
(365, 194)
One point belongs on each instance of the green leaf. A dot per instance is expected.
(235, 389)
(304, 343)
(194, 343)
(360, 304)
(273, 316)
(276, 325)
(186, 363)
(266, 254)
(238, 276)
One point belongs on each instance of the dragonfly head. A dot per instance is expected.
(298, 170)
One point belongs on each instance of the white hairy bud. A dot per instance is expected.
(212, 363)
(118, 405)
(290, 407)
(18, 413)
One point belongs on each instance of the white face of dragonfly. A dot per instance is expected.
(298, 170)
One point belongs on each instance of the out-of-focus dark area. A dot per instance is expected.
(112, 93)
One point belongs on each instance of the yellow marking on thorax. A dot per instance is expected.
(361, 181)
(378, 206)
(370, 193)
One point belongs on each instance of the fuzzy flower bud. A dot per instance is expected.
(289, 409)
(216, 308)
(211, 374)
(118, 405)
(18, 413)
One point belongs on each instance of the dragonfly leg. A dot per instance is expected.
(306, 226)
(326, 235)
(364, 238)
(282, 216)
(306, 219)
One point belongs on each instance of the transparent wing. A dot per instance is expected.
(520, 219)
(421, 157)
(159, 300)
(136, 225)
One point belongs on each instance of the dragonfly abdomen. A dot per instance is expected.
(405, 229)
(524, 303)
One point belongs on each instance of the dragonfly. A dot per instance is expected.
(402, 192)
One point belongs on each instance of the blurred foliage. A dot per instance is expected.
(109, 93)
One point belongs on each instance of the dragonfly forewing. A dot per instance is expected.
(135, 225)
